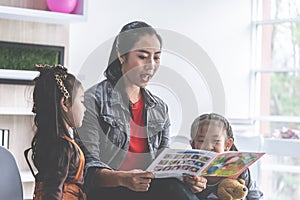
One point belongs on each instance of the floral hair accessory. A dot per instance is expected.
(60, 74)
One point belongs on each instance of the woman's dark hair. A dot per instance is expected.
(123, 43)
(53, 84)
(212, 119)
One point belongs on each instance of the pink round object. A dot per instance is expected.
(64, 6)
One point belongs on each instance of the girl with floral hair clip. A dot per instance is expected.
(56, 153)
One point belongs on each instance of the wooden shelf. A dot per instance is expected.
(42, 16)
(18, 74)
(26, 176)
(15, 111)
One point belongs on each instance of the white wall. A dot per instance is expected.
(221, 28)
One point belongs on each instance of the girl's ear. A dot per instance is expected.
(63, 104)
(121, 58)
(229, 143)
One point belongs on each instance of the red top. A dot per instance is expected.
(138, 138)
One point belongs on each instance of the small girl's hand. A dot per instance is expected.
(195, 183)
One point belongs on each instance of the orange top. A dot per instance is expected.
(82, 160)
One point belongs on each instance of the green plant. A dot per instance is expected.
(19, 58)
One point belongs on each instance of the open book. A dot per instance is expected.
(179, 162)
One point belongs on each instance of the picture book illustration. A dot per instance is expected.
(178, 162)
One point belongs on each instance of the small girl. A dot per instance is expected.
(58, 104)
(212, 132)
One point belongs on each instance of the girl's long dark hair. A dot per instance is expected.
(123, 43)
(49, 118)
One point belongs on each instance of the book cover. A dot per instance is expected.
(178, 162)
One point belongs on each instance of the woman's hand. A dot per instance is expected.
(195, 183)
(136, 180)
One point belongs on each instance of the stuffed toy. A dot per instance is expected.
(232, 189)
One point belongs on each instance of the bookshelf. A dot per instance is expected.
(16, 116)
(44, 16)
(29, 22)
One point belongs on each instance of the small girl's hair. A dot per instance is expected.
(53, 84)
(212, 119)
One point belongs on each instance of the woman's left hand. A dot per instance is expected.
(195, 183)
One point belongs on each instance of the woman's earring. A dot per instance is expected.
(121, 61)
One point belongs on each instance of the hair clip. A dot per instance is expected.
(60, 74)
(59, 80)
(41, 67)
(61, 71)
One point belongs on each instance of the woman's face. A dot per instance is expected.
(76, 111)
(141, 63)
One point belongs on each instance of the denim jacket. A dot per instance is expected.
(106, 126)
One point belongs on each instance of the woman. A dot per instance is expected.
(126, 126)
